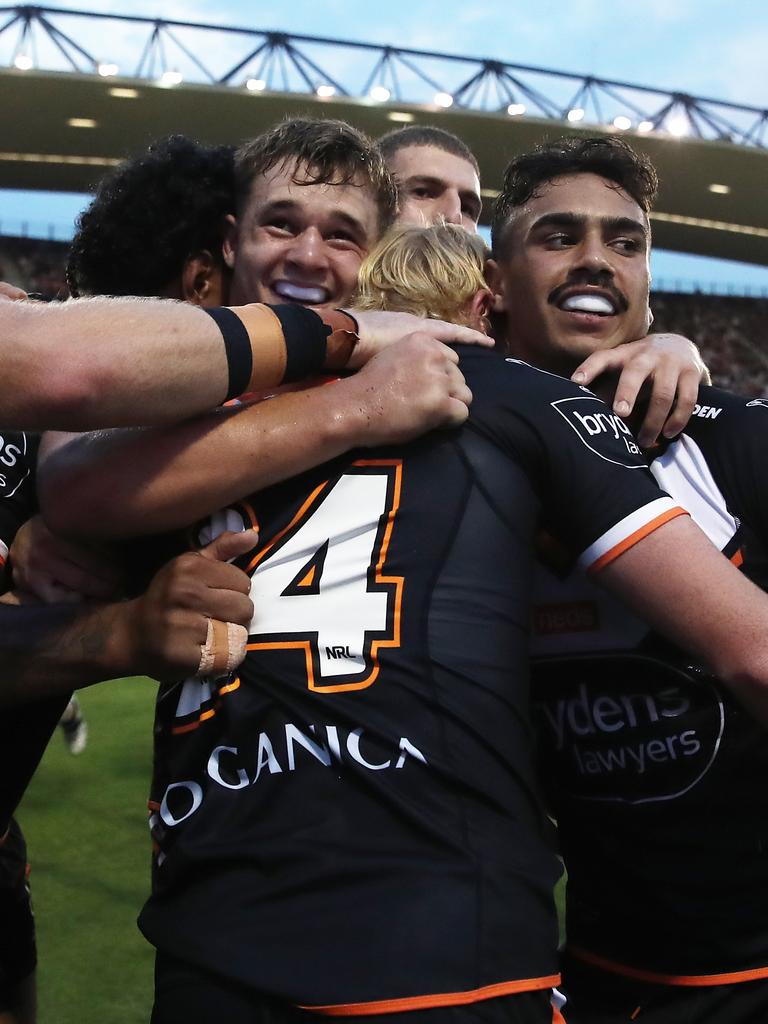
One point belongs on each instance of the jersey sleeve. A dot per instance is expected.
(598, 497)
(18, 455)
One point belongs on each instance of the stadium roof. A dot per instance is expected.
(61, 129)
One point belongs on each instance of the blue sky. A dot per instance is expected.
(705, 47)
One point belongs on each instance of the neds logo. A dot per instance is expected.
(600, 430)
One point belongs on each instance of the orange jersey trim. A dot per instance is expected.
(655, 978)
(634, 538)
(738, 558)
(210, 712)
(475, 995)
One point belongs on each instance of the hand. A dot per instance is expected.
(10, 291)
(57, 571)
(407, 389)
(380, 329)
(168, 625)
(674, 369)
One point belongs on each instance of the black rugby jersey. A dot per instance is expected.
(658, 777)
(353, 820)
(24, 730)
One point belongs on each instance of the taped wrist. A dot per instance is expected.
(270, 345)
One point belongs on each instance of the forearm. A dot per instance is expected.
(102, 362)
(125, 483)
(91, 363)
(49, 650)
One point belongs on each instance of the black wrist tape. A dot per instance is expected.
(237, 345)
(306, 338)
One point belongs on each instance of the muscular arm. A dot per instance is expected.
(127, 483)
(107, 362)
(683, 586)
(102, 362)
(52, 649)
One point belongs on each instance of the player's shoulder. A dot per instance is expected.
(502, 376)
(724, 414)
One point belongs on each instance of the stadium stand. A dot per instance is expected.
(36, 265)
(731, 331)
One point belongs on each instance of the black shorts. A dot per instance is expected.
(18, 953)
(601, 997)
(187, 993)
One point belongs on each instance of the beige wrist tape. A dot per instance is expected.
(267, 344)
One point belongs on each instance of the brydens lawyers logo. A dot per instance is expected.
(598, 429)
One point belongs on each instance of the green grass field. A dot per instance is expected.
(85, 822)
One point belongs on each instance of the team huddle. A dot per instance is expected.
(429, 617)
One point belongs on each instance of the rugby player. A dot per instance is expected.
(655, 773)
(366, 779)
(437, 175)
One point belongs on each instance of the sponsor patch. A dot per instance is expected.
(598, 429)
(626, 730)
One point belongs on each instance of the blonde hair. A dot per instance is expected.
(432, 272)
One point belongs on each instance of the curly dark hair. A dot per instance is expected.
(426, 135)
(608, 157)
(149, 216)
(328, 152)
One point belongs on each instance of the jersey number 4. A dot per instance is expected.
(320, 586)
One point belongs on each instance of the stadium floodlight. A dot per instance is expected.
(124, 94)
(678, 126)
(644, 127)
(380, 93)
(107, 70)
(325, 91)
(171, 78)
(576, 114)
(719, 190)
(81, 122)
(23, 62)
(400, 116)
(516, 109)
(256, 85)
(622, 123)
(443, 99)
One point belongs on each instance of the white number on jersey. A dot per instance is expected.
(320, 585)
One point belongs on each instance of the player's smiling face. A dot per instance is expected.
(300, 242)
(574, 276)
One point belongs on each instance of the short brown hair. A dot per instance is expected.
(329, 152)
(426, 135)
(610, 158)
(430, 272)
